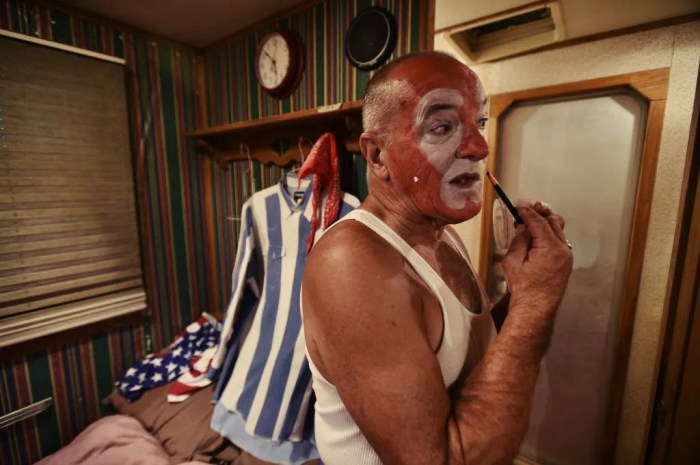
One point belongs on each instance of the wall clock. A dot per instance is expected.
(370, 38)
(279, 62)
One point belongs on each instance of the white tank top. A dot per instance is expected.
(466, 336)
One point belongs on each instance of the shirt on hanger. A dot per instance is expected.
(264, 390)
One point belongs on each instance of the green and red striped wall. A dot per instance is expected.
(163, 103)
(233, 94)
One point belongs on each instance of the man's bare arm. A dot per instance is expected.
(372, 344)
(493, 406)
(365, 333)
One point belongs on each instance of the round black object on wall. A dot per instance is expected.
(370, 38)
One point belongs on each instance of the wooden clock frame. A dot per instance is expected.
(296, 63)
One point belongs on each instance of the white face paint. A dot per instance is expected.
(440, 129)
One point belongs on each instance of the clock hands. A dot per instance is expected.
(274, 52)
(269, 56)
(273, 63)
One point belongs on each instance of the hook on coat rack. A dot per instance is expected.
(245, 151)
(221, 142)
(301, 148)
(302, 155)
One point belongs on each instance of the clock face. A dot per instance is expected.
(273, 64)
(279, 62)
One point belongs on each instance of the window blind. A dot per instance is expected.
(69, 246)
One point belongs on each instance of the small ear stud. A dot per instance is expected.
(415, 178)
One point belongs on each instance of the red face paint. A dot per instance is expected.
(437, 151)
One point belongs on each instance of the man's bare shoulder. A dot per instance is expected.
(352, 260)
(360, 302)
(351, 245)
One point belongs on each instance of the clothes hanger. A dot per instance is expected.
(245, 150)
(301, 155)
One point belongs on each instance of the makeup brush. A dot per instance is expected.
(504, 197)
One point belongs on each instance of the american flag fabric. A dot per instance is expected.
(194, 379)
(171, 363)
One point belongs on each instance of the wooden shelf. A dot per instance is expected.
(276, 139)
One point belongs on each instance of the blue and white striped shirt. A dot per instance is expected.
(264, 392)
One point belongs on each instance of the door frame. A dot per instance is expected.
(681, 310)
(651, 86)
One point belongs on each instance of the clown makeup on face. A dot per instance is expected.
(440, 132)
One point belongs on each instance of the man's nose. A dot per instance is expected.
(473, 144)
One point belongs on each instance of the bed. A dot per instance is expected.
(152, 431)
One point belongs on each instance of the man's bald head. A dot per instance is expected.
(389, 90)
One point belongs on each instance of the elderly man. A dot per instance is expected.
(407, 365)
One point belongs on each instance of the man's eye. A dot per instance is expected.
(442, 129)
(481, 123)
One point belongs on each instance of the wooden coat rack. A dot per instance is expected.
(273, 139)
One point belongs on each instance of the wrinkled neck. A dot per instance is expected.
(401, 214)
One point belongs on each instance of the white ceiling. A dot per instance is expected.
(201, 22)
(192, 22)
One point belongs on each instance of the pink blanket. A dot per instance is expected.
(113, 440)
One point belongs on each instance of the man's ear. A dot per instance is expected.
(372, 151)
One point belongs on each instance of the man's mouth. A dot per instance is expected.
(465, 180)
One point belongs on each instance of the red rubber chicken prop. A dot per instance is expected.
(322, 162)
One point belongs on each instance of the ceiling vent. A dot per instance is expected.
(508, 33)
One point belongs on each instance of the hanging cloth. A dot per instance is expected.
(322, 162)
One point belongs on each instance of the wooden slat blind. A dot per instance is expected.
(68, 230)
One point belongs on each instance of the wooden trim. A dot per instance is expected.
(427, 26)
(521, 460)
(263, 24)
(281, 120)
(633, 274)
(259, 135)
(678, 314)
(652, 86)
(496, 108)
(62, 47)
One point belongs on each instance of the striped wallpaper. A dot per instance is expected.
(232, 90)
(160, 80)
(233, 95)
(170, 178)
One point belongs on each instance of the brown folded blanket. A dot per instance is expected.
(182, 428)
